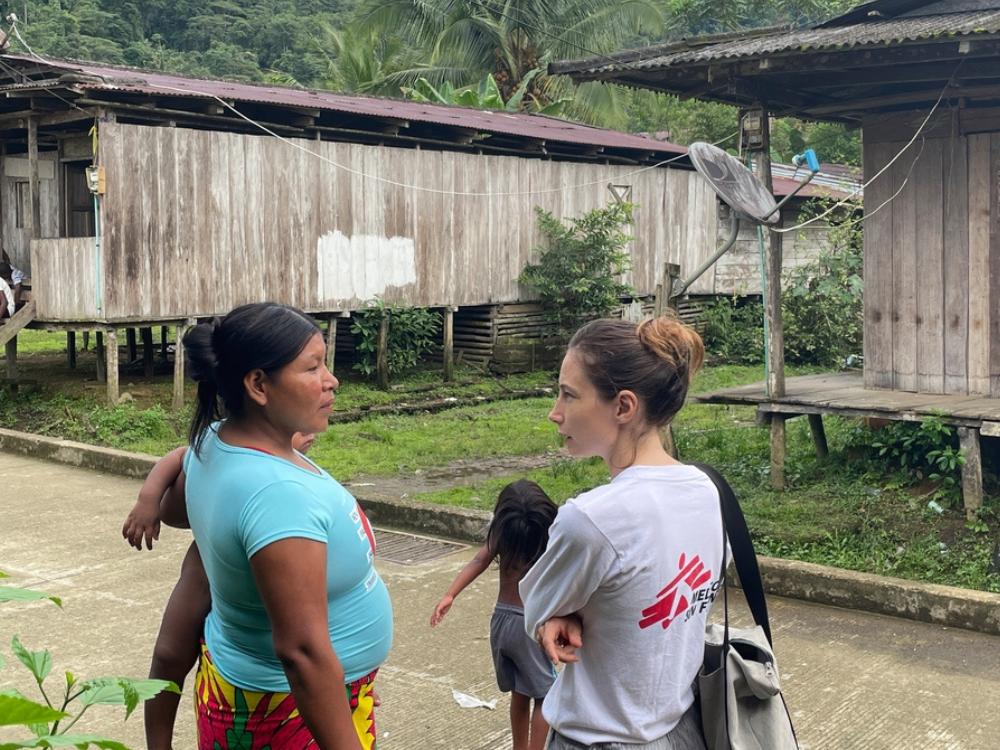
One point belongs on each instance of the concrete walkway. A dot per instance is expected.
(854, 680)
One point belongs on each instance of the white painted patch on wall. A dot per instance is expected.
(363, 266)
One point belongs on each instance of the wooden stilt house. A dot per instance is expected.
(137, 200)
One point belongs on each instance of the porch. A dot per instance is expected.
(844, 394)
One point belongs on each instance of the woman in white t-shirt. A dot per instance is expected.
(623, 590)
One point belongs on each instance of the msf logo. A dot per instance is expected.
(681, 594)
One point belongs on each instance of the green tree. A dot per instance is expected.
(465, 40)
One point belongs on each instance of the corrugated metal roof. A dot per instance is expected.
(892, 31)
(531, 126)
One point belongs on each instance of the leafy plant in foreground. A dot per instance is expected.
(51, 721)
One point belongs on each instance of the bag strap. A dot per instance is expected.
(743, 554)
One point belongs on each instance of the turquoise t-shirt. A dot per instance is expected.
(239, 501)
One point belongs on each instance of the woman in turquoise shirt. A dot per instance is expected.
(297, 606)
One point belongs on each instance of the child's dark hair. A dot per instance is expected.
(519, 530)
(260, 336)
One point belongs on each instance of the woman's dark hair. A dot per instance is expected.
(655, 360)
(260, 336)
(519, 530)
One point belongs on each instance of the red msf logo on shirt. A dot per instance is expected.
(678, 595)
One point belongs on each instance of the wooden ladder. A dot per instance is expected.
(12, 326)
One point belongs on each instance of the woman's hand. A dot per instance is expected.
(560, 637)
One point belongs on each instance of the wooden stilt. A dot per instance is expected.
(818, 435)
(778, 448)
(179, 366)
(71, 348)
(972, 472)
(331, 341)
(102, 365)
(449, 344)
(382, 355)
(147, 352)
(131, 352)
(86, 340)
(163, 342)
(111, 356)
(10, 350)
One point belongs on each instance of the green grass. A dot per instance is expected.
(40, 342)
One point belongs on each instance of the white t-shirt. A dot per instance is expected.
(9, 295)
(639, 560)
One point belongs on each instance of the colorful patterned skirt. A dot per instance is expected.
(231, 718)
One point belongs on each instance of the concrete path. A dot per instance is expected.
(854, 681)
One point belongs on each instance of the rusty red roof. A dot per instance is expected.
(93, 76)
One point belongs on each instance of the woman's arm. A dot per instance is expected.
(475, 568)
(291, 577)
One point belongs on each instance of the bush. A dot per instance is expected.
(412, 332)
(575, 274)
(734, 330)
(822, 306)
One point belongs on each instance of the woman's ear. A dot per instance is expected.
(627, 406)
(254, 382)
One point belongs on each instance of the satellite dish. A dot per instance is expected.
(734, 183)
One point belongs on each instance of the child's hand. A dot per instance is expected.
(441, 609)
(143, 522)
(560, 637)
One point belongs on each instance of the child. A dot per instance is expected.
(516, 538)
(178, 643)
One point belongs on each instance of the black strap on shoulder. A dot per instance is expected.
(742, 546)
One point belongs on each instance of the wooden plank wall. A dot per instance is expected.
(197, 222)
(16, 240)
(932, 255)
(57, 259)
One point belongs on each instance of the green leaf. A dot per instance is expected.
(11, 594)
(38, 662)
(67, 740)
(18, 710)
(122, 691)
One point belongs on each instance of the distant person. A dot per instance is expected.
(300, 620)
(8, 304)
(622, 592)
(516, 538)
(177, 645)
(16, 277)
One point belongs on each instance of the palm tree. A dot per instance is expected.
(465, 40)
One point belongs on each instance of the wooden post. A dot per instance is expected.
(130, 346)
(178, 402)
(331, 341)
(778, 448)
(102, 365)
(71, 348)
(775, 353)
(10, 349)
(818, 435)
(163, 343)
(86, 340)
(33, 184)
(972, 472)
(449, 343)
(147, 351)
(382, 355)
(665, 301)
(111, 350)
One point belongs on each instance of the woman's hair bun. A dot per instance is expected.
(200, 345)
(674, 342)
